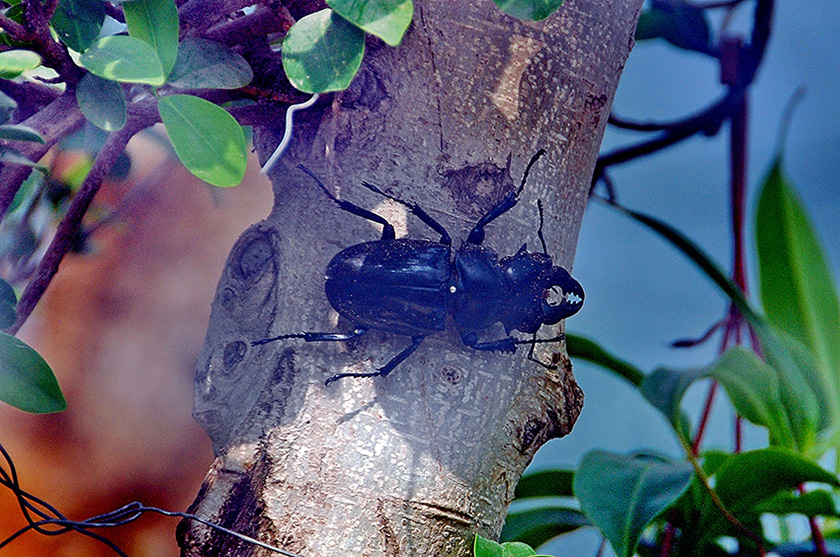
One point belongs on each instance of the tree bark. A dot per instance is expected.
(418, 462)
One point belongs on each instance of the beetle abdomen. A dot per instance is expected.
(399, 286)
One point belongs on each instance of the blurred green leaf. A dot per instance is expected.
(8, 301)
(207, 139)
(813, 503)
(13, 156)
(536, 526)
(78, 22)
(20, 133)
(621, 494)
(679, 23)
(102, 101)
(204, 64)
(386, 19)
(586, 349)
(15, 62)
(126, 59)
(797, 289)
(752, 386)
(801, 404)
(748, 478)
(546, 483)
(155, 22)
(7, 107)
(322, 52)
(26, 381)
(534, 10)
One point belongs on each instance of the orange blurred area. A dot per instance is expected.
(122, 327)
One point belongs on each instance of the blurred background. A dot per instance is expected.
(124, 320)
(641, 294)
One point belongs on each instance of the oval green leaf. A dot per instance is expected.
(746, 479)
(535, 10)
(797, 289)
(155, 22)
(126, 59)
(102, 101)
(204, 64)
(15, 62)
(546, 483)
(386, 19)
(322, 52)
(752, 386)
(15, 132)
(207, 139)
(78, 22)
(537, 526)
(621, 494)
(26, 380)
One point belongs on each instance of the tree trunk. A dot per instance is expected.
(418, 462)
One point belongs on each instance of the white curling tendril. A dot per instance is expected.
(287, 133)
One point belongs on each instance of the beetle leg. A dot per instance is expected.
(315, 337)
(418, 212)
(387, 368)
(509, 344)
(387, 228)
(534, 341)
(506, 204)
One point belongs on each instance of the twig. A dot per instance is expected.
(65, 232)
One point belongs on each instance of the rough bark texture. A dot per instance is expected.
(418, 462)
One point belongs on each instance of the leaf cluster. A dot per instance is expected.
(791, 392)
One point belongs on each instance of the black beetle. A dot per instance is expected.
(409, 286)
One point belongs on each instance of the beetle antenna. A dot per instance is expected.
(534, 159)
(540, 229)
(319, 182)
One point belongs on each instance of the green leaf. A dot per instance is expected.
(102, 101)
(747, 478)
(801, 404)
(621, 494)
(155, 22)
(813, 503)
(26, 381)
(78, 22)
(752, 386)
(586, 349)
(536, 526)
(11, 155)
(483, 547)
(125, 59)
(534, 10)
(207, 139)
(797, 290)
(20, 133)
(7, 107)
(322, 52)
(15, 62)
(8, 301)
(680, 24)
(546, 483)
(386, 19)
(204, 64)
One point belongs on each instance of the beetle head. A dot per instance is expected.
(542, 294)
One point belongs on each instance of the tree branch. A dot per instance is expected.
(140, 116)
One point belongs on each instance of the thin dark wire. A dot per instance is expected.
(29, 506)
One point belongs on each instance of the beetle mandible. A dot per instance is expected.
(408, 286)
